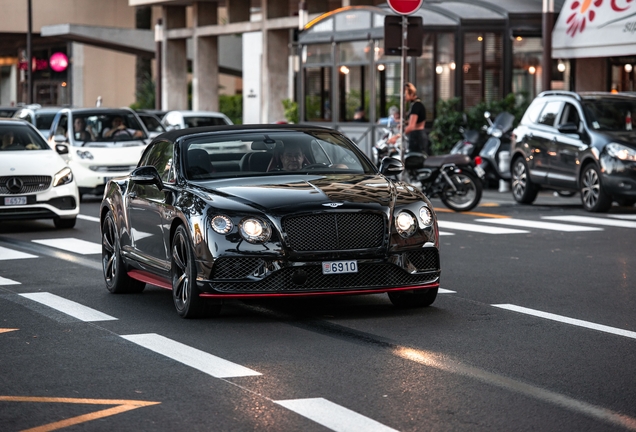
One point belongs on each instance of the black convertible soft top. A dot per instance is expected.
(176, 134)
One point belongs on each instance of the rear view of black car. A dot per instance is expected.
(580, 142)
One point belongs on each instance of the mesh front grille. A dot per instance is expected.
(426, 260)
(334, 231)
(236, 268)
(30, 184)
(369, 276)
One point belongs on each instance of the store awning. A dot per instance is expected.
(595, 28)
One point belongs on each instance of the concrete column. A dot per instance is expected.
(277, 8)
(175, 62)
(275, 84)
(205, 67)
(238, 10)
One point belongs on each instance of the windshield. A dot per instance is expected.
(610, 114)
(152, 123)
(275, 153)
(18, 138)
(43, 121)
(204, 121)
(504, 121)
(102, 129)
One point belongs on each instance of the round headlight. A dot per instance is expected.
(255, 230)
(221, 224)
(405, 224)
(426, 216)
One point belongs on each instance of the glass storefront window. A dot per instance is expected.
(527, 72)
(446, 66)
(425, 74)
(317, 53)
(353, 20)
(387, 85)
(623, 79)
(352, 52)
(318, 94)
(353, 92)
(482, 68)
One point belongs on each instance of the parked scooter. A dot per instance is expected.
(452, 178)
(496, 151)
(471, 142)
(383, 148)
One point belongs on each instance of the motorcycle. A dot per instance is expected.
(495, 153)
(471, 142)
(382, 148)
(451, 178)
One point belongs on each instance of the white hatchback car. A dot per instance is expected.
(189, 119)
(35, 182)
(102, 143)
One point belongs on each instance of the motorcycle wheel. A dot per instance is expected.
(468, 192)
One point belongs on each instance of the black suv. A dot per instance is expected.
(576, 142)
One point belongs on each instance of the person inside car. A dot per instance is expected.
(292, 157)
(120, 129)
(81, 132)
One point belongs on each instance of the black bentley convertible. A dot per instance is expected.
(266, 210)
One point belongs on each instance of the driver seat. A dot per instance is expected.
(199, 165)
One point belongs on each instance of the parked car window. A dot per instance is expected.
(549, 113)
(608, 114)
(152, 123)
(43, 121)
(570, 115)
(204, 121)
(160, 156)
(533, 111)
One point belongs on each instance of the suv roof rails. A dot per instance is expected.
(560, 93)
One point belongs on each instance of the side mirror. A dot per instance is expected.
(60, 139)
(568, 128)
(61, 149)
(391, 166)
(147, 175)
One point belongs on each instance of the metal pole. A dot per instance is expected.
(546, 61)
(29, 63)
(158, 61)
(405, 24)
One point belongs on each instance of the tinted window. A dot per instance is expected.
(152, 123)
(570, 115)
(549, 113)
(204, 121)
(160, 156)
(610, 114)
(17, 138)
(44, 121)
(533, 111)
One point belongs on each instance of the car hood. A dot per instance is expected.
(30, 162)
(623, 137)
(108, 155)
(289, 193)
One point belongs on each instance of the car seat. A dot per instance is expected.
(199, 165)
(256, 161)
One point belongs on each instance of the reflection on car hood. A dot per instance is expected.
(291, 192)
(625, 137)
(30, 162)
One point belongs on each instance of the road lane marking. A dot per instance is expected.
(76, 310)
(444, 233)
(333, 416)
(479, 214)
(478, 228)
(197, 359)
(576, 322)
(523, 223)
(594, 221)
(627, 217)
(9, 254)
(74, 245)
(443, 363)
(445, 291)
(7, 330)
(122, 406)
(5, 281)
(88, 218)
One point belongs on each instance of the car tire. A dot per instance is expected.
(115, 276)
(593, 197)
(523, 190)
(64, 223)
(466, 183)
(413, 299)
(185, 293)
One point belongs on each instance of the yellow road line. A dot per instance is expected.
(489, 215)
(122, 406)
(7, 330)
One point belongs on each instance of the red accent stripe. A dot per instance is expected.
(149, 278)
(373, 291)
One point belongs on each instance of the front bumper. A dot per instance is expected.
(89, 181)
(619, 177)
(60, 201)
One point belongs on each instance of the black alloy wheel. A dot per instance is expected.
(592, 195)
(117, 280)
(185, 293)
(413, 299)
(523, 190)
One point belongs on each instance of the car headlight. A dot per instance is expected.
(426, 217)
(405, 224)
(255, 230)
(65, 176)
(221, 224)
(621, 152)
(85, 154)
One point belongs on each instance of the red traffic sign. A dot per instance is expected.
(405, 7)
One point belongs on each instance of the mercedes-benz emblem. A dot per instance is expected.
(14, 185)
(333, 205)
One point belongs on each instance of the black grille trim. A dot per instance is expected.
(30, 184)
(425, 260)
(236, 268)
(334, 231)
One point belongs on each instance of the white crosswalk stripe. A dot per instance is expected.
(627, 217)
(88, 218)
(10, 254)
(74, 309)
(539, 224)
(478, 228)
(5, 281)
(74, 245)
(593, 221)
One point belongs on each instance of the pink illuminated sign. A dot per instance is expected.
(58, 62)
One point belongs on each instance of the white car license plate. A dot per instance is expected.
(339, 267)
(480, 171)
(15, 200)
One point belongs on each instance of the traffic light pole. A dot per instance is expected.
(405, 24)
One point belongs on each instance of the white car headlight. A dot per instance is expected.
(426, 216)
(405, 224)
(255, 230)
(65, 176)
(221, 224)
(84, 154)
(621, 152)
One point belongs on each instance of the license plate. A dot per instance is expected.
(480, 171)
(339, 267)
(15, 201)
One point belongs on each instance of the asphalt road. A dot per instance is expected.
(534, 330)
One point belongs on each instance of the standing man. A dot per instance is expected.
(415, 122)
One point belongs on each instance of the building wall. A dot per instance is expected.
(591, 74)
